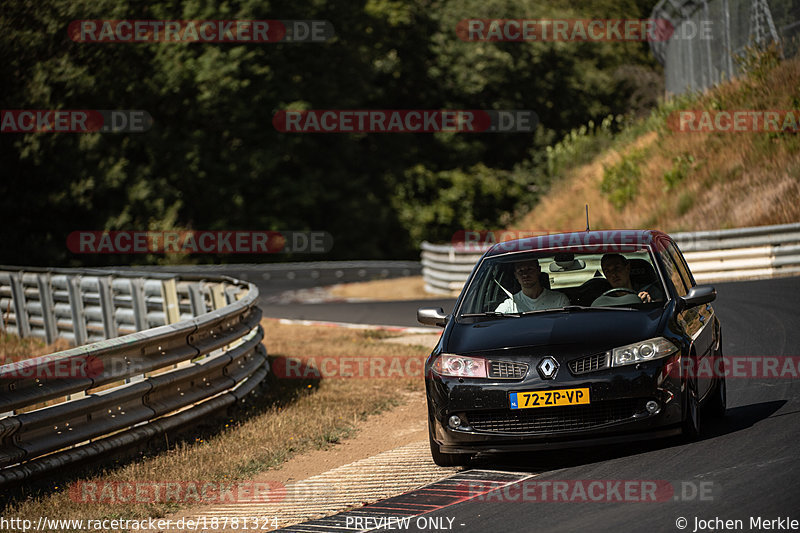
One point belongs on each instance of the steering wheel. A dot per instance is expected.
(619, 289)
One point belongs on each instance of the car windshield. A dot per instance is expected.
(518, 283)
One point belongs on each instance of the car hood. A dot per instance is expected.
(581, 330)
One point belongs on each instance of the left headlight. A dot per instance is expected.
(640, 352)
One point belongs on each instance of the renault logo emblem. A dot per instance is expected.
(548, 368)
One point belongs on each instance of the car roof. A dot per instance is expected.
(587, 241)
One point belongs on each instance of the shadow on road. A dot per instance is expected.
(736, 419)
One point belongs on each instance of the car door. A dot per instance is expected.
(699, 320)
(688, 319)
(706, 336)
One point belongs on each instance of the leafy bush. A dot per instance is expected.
(756, 62)
(434, 205)
(681, 166)
(621, 181)
(580, 145)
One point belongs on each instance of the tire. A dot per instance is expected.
(718, 403)
(692, 427)
(446, 459)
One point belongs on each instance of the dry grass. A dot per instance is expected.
(408, 288)
(13, 349)
(299, 415)
(734, 180)
(562, 209)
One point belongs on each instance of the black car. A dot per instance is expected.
(573, 339)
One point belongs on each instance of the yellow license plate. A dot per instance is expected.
(549, 398)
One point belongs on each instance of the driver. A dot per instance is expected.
(617, 271)
(533, 296)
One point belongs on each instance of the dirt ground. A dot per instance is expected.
(408, 288)
(402, 425)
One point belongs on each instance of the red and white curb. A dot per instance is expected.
(366, 481)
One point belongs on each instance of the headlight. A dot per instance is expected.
(458, 366)
(642, 351)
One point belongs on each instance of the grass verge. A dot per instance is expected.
(13, 349)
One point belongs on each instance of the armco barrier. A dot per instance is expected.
(722, 255)
(172, 350)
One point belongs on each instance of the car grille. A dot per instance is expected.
(589, 363)
(507, 370)
(546, 419)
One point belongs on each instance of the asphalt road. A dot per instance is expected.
(746, 466)
(380, 313)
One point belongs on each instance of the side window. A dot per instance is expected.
(677, 256)
(671, 269)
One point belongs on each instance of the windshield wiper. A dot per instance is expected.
(569, 308)
(489, 313)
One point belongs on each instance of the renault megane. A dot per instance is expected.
(573, 340)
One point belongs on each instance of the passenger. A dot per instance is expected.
(533, 296)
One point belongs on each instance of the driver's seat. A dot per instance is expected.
(642, 272)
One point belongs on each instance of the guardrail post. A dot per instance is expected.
(107, 307)
(169, 292)
(20, 312)
(139, 303)
(217, 295)
(197, 299)
(76, 308)
(48, 310)
(231, 295)
(139, 307)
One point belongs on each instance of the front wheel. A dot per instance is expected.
(446, 459)
(691, 424)
(718, 403)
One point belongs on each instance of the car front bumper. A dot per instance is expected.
(616, 411)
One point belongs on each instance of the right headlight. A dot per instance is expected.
(460, 366)
(640, 352)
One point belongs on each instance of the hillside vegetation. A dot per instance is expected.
(653, 177)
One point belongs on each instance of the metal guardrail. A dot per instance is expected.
(200, 350)
(722, 255)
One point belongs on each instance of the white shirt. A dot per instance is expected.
(520, 303)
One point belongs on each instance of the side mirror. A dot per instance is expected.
(431, 316)
(699, 295)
